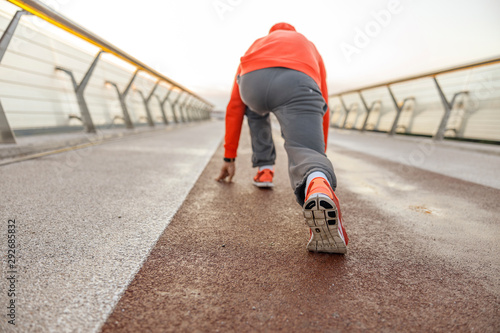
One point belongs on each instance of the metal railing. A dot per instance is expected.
(185, 105)
(418, 102)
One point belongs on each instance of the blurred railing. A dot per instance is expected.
(58, 76)
(460, 103)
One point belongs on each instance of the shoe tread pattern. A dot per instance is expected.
(321, 216)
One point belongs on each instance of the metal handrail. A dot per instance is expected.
(446, 102)
(420, 76)
(44, 12)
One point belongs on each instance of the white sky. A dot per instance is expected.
(199, 46)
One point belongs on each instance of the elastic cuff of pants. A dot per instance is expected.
(301, 188)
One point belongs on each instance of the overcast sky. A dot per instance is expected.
(198, 43)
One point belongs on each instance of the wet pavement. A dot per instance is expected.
(423, 253)
(472, 162)
(86, 220)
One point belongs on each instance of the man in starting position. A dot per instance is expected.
(283, 73)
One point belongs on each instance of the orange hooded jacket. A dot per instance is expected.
(282, 47)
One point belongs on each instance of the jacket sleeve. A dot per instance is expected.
(234, 119)
(324, 92)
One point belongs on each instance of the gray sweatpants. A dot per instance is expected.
(296, 100)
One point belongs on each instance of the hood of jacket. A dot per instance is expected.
(282, 26)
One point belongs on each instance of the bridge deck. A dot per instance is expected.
(423, 254)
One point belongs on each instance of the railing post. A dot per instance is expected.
(189, 109)
(347, 110)
(368, 109)
(398, 110)
(146, 107)
(465, 119)
(6, 133)
(333, 112)
(162, 106)
(207, 108)
(173, 105)
(185, 107)
(201, 109)
(181, 110)
(9, 32)
(146, 103)
(448, 106)
(79, 91)
(193, 109)
(122, 96)
(150, 96)
(414, 115)
(197, 107)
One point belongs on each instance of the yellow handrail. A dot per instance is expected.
(420, 76)
(44, 12)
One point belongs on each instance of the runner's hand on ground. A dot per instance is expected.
(228, 169)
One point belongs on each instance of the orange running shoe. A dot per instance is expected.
(323, 217)
(264, 178)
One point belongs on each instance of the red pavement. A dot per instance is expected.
(234, 259)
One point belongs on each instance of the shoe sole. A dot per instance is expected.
(263, 184)
(321, 217)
